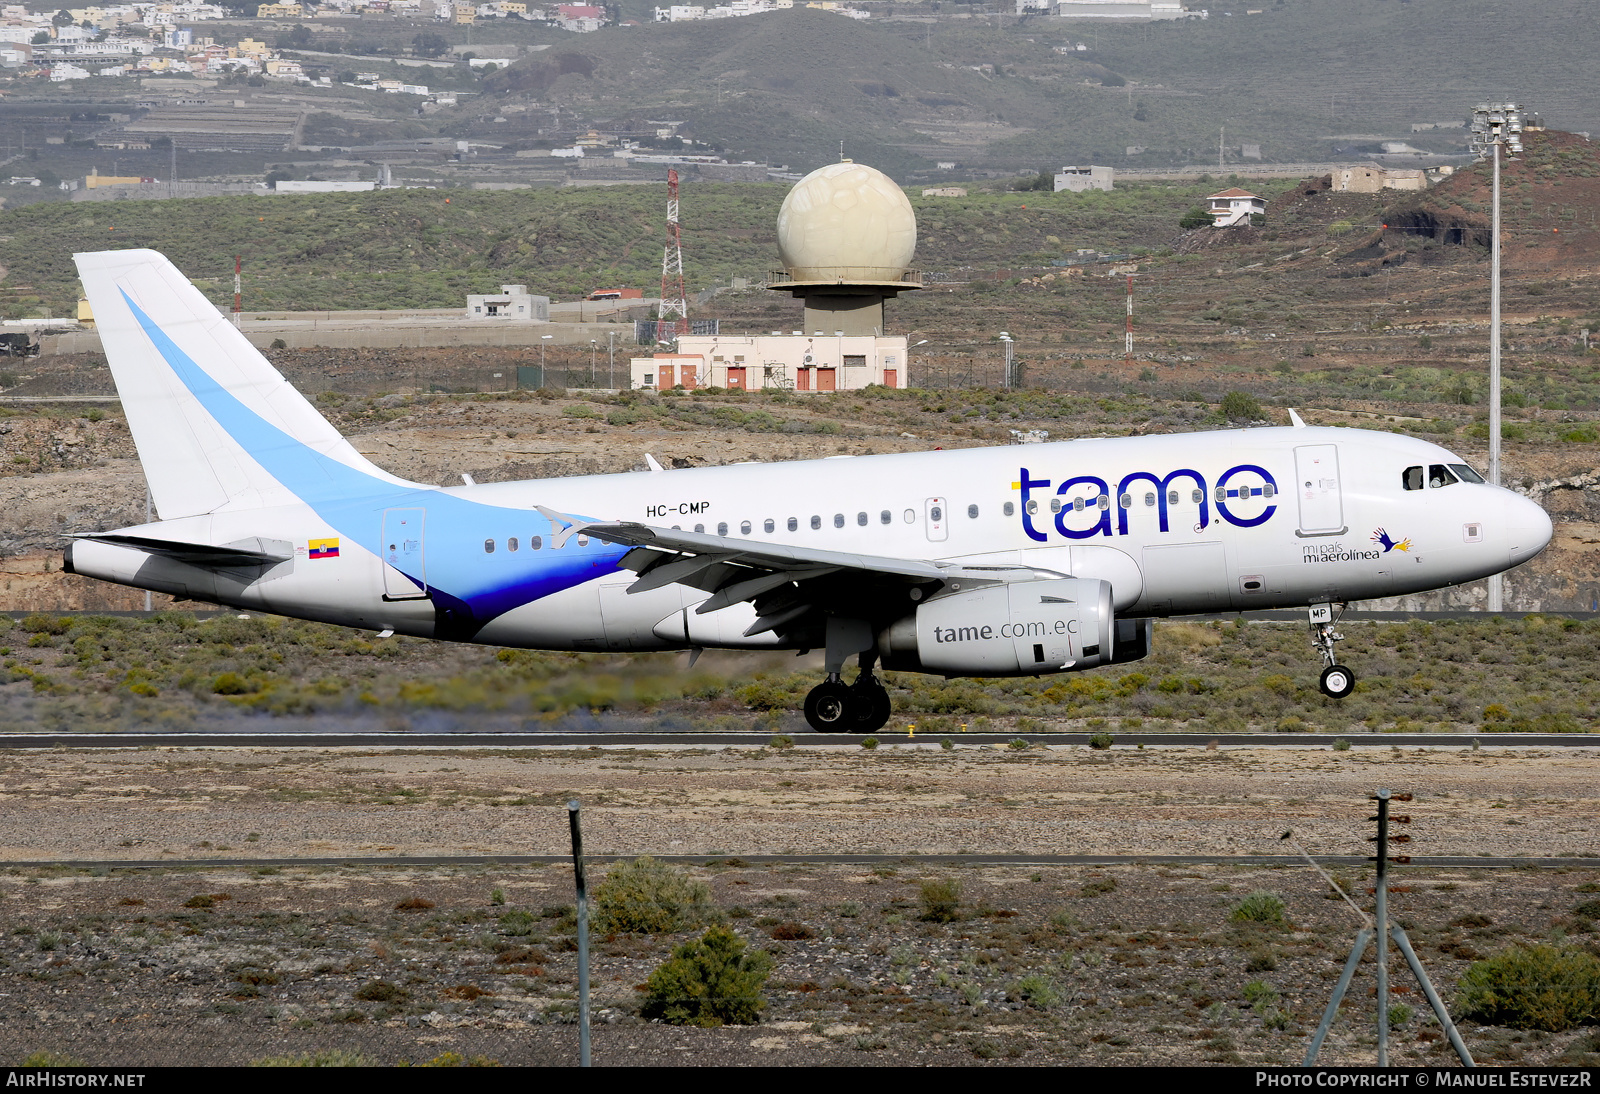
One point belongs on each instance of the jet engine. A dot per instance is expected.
(1024, 628)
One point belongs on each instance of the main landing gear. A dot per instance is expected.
(1337, 681)
(836, 707)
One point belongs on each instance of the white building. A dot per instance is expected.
(817, 364)
(1234, 206)
(1122, 9)
(1078, 179)
(288, 186)
(513, 302)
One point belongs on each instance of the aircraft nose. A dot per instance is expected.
(1528, 529)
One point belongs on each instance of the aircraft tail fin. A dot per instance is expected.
(207, 411)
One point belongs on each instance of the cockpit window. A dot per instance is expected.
(1440, 475)
(1411, 478)
(1467, 474)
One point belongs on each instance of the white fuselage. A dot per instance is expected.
(1223, 521)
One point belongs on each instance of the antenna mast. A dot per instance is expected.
(674, 306)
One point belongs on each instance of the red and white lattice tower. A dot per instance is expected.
(674, 308)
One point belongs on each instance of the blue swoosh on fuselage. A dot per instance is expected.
(488, 584)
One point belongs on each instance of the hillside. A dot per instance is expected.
(430, 248)
(1299, 79)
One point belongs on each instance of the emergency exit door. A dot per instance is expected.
(404, 569)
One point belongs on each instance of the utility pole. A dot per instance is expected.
(1494, 124)
(1128, 348)
(611, 369)
(1221, 134)
(238, 295)
(1382, 932)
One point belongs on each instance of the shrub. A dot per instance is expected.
(381, 991)
(1239, 406)
(45, 1058)
(1101, 741)
(413, 904)
(518, 922)
(941, 900)
(1340, 745)
(1260, 907)
(781, 742)
(1037, 991)
(791, 932)
(649, 897)
(333, 1057)
(1017, 744)
(709, 981)
(1099, 888)
(869, 743)
(1552, 988)
(1196, 217)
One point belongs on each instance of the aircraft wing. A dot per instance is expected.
(791, 587)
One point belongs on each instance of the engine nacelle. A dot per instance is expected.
(1132, 642)
(1025, 628)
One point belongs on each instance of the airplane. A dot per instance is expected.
(1007, 561)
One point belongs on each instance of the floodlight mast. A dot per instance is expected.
(1493, 125)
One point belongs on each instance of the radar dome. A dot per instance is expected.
(846, 223)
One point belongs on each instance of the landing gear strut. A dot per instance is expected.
(862, 707)
(1337, 681)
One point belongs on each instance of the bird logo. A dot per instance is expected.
(1382, 537)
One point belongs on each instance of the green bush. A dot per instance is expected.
(1196, 217)
(941, 900)
(650, 897)
(1101, 741)
(1036, 990)
(1552, 988)
(333, 1057)
(709, 981)
(1260, 907)
(1239, 406)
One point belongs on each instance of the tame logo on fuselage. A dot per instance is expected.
(1080, 507)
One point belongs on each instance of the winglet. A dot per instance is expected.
(1295, 419)
(650, 461)
(569, 526)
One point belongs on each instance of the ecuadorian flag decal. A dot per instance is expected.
(323, 548)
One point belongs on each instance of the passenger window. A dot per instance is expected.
(972, 512)
(744, 528)
(1222, 494)
(1032, 507)
(1008, 509)
(1149, 499)
(722, 528)
(488, 546)
(1196, 496)
(861, 520)
(699, 527)
(769, 526)
(793, 525)
(583, 541)
(911, 516)
(1172, 497)
(511, 544)
(1268, 490)
(1126, 501)
(1440, 475)
(838, 520)
(1105, 501)
(535, 543)
(1411, 478)
(885, 517)
(1055, 505)
(816, 522)
(1077, 505)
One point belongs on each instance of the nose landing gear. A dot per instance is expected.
(1337, 681)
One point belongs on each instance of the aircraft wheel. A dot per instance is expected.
(829, 708)
(871, 707)
(1337, 682)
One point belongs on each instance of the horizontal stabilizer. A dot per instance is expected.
(259, 552)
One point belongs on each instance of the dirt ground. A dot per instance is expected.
(1038, 965)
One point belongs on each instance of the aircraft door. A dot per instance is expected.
(403, 556)
(937, 519)
(1317, 482)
